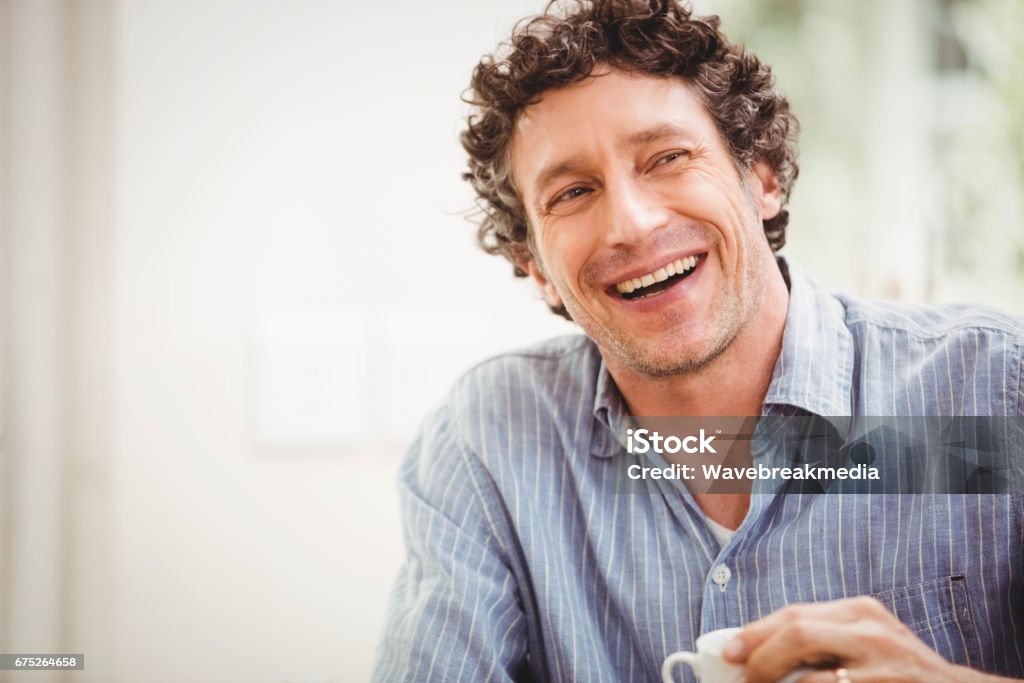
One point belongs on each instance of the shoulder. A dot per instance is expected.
(531, 386)
(506, 409)
(561, 369)
(941, 322)
(971, 332)
(967, 356)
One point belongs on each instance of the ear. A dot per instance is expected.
(766, 190)
(547, 289)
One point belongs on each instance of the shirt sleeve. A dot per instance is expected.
(1020, 380)
(454, 612)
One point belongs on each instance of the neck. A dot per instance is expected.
(733, 384)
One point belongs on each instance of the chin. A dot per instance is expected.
(662, 362)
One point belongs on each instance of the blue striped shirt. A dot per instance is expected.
(524, 563)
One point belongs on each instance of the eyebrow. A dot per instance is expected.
(549, 173)
(574, 163)
(654, 134)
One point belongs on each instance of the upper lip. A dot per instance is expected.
(652, 264)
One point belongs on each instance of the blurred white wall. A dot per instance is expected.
(234, 275)
(294, 287)
(34, 424)
(238, 276)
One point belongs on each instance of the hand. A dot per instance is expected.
(857, 634)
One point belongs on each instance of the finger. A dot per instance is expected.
(824, 676)
(846, 610)
(805, 642)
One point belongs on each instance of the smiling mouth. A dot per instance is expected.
(659, 280)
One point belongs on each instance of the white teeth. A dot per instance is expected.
(677, 267)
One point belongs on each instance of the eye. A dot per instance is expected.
(569, 195)
(670, 157)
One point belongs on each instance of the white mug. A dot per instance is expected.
(706, 662)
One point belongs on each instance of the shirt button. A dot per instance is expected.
(721, 576)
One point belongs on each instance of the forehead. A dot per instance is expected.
(608, 112)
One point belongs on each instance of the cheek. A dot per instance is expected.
(567, 249)
(722, 203)
(696, 193)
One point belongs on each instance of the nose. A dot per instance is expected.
(633, 212)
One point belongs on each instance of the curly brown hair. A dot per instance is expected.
(563, 45)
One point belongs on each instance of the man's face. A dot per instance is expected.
(643, 226)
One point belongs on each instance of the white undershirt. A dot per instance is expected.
(722, 534)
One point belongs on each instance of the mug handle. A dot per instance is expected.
(677, 658)
(795, 675)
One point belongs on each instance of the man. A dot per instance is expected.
(636, 165)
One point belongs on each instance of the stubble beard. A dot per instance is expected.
(731, 314)
(646, 359)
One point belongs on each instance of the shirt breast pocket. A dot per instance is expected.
(939, 613)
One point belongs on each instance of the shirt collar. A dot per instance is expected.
(610, 413)
(815, 367)
(813, 373)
